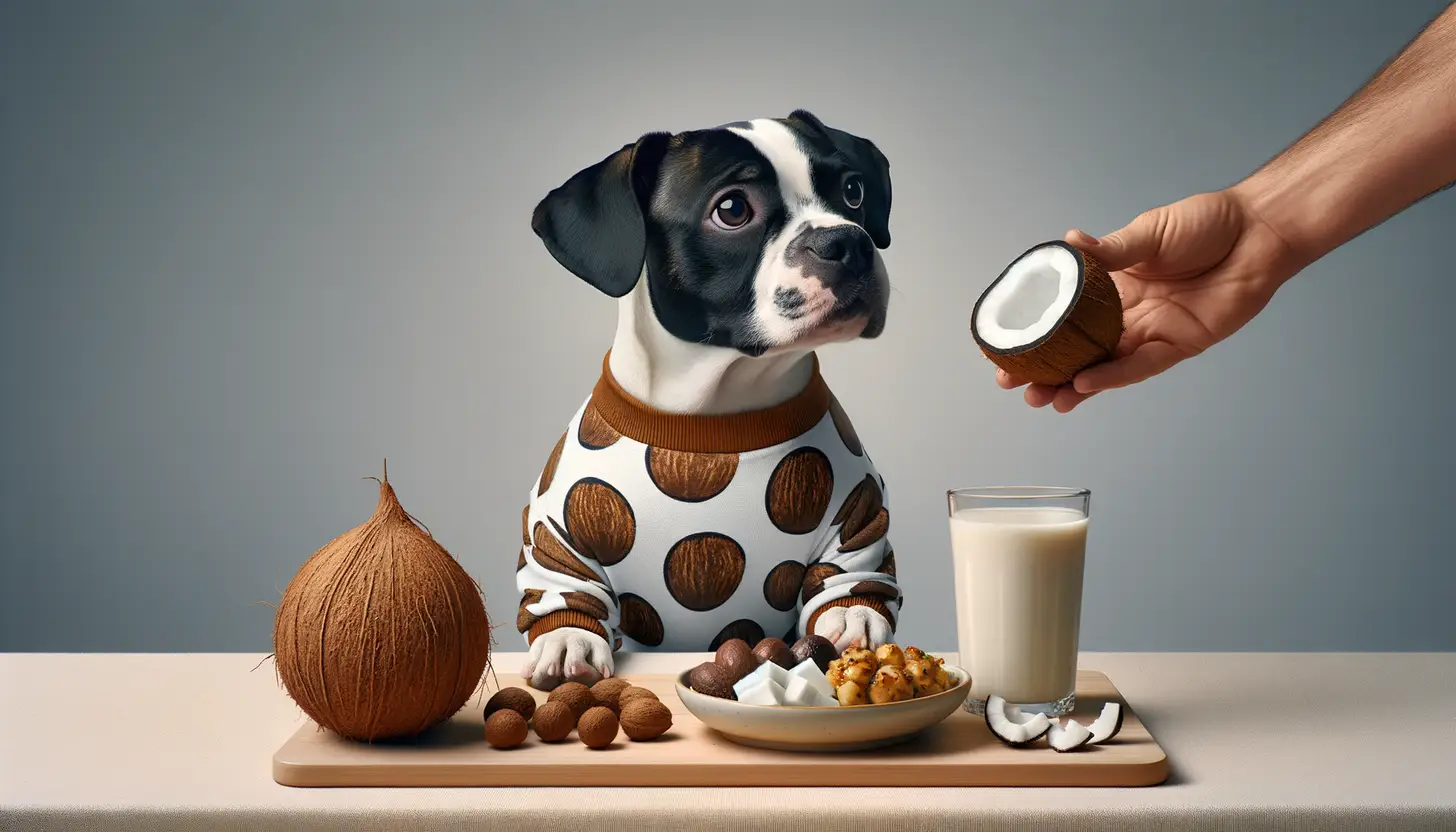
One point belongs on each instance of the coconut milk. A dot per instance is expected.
(1018, 592)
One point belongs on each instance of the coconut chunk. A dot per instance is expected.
(1014, 733)
(1107, 723)
(1068, 737)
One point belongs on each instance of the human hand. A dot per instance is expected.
(567, 654)
(1190, 274)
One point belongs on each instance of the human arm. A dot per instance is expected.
(1388, 146)
(1193, 272)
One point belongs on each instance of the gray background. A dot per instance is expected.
(250, 249)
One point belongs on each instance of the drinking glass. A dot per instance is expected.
(1018, 553)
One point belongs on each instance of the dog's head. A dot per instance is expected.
(757, 236)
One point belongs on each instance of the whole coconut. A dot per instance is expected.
(381, 634)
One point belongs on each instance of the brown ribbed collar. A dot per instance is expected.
(698, 433)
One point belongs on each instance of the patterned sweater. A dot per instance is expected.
(676, 532)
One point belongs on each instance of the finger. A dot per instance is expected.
(1008, 381)
(1128, 246)
(1068, 398)
(1040, 395)
(1142, 363)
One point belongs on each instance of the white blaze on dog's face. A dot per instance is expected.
(759, 236)
(821, 278)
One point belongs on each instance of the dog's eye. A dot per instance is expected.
(853, 190)
(732, 212)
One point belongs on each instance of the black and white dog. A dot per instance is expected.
(711, 487)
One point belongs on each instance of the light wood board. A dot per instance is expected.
(957, 752)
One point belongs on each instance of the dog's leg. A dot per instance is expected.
(850, 594)
(568, 612)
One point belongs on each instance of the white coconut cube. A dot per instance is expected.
(769, 670)
(801, 691)
(762, 691)
(810, 672)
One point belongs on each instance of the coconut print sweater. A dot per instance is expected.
(677, 532)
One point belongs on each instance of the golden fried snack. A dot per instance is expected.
(835, 672)
(921, 674)
(850, 693)
(859, 654)
(861, 673)
(891, 655)
(890, 685)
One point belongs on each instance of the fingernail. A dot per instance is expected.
(1083, 238)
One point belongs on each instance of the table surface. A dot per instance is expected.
(1256, 740)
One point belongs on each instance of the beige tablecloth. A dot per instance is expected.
(1256, 741)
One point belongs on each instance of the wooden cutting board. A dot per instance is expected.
(958, 752)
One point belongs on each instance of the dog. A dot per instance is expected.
(711, 487)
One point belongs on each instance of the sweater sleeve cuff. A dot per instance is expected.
(565, 618)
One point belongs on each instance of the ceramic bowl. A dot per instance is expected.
(826, 727)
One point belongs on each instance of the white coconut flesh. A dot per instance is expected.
(1068, 737)
(1015, 733)
(1030, 299)
(1107, 723)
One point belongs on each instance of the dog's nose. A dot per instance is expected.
(847, 245)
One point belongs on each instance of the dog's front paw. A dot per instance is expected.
(567, 654)
(856, 626)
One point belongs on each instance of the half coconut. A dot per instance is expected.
(1049, 315)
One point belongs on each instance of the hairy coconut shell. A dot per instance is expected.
(1088, 332)
(381, 634)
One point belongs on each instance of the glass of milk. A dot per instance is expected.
(1019, 554)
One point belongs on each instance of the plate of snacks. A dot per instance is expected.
(808, 698)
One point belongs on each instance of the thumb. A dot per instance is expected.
(1137, 242)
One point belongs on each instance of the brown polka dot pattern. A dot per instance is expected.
(599, 522)
(549, 472)
(814, 578)
(847, 434)
(859, 508)
(875, 588)
(524, 619)
(799, 491)
(870, 534)
(781, 587)
(690, 477)
(640, 622)
(586, 604)
(887, 565)
(616, 642)
(703, 570)
(551, 554)
(743, 628)
(593, 432)
(526, 525)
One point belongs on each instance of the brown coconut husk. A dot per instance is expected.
(1088, 333)
(382, 634)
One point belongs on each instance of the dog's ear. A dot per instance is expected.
(871, 163)
(595, 224)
